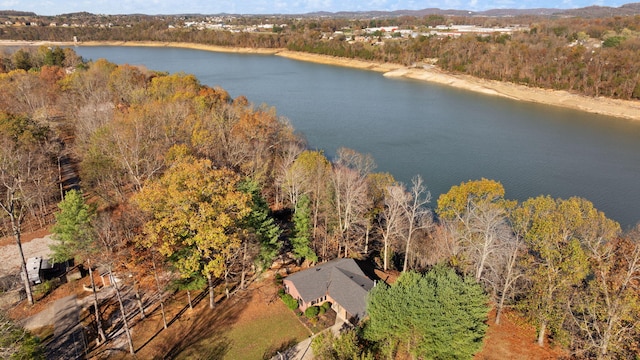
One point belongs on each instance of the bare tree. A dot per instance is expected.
(19, 167)
(350, 201)
(123, 313)
(138, 146)
(377, 189)
(417, 215)
(14, 206)
(507, 271)
(392, 219)
(286, 179)
(482, 232)
(605, 312)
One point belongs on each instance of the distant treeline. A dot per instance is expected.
(594, 57)
(16, 13)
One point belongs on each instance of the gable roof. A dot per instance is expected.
(342, 279)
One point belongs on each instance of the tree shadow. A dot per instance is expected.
(203, 337)
(368, 268)
(195, 301)
(281, 349)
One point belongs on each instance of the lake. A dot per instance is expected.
(445, 135)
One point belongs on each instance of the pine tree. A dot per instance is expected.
(438, 315)
(76, 236)
(302, 231)
(73, 230)
(262, 224)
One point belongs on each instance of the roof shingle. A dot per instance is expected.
(342, 279)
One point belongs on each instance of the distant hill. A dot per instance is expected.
(604, 11)
(16, 13)
(77, 14)
(589, 11)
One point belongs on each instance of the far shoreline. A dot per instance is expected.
(626, 109)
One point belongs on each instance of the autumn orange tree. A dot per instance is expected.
(195, 215)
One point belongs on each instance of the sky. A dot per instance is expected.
(156, 7)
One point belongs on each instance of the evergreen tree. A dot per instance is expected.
(263, 225)
(302, 231)
(73, 230)
(18, 343)
(438, 315)
(75, 235)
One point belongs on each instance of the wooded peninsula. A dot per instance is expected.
(177, 192)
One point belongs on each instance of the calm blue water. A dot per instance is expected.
(445, 135)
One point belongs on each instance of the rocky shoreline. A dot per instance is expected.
(626, 109)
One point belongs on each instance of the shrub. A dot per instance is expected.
(289, 301)
(326, 306)
(321, 310)
(45, 288)
(312, 312)
(613, 41)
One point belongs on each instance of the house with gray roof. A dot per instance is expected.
(339, 281)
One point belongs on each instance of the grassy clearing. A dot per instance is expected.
(260, 326)
(263, 337)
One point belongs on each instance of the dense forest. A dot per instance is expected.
(179, 186)
(593, 57)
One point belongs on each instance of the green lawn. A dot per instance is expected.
(274, 328)
(264, 336)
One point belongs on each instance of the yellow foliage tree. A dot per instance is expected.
(195, 213)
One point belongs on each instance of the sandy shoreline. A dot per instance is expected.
(612, 107)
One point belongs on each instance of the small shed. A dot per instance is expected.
(35, 267)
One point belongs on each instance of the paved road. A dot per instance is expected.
(68, 340)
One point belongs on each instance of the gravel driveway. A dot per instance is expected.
(10, 257)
